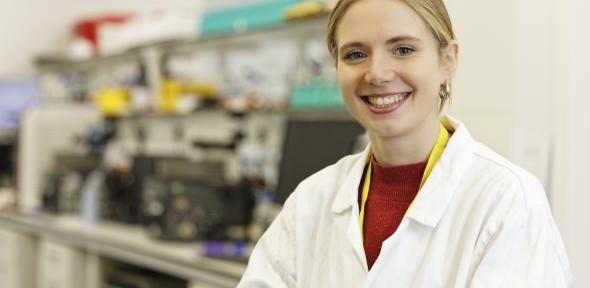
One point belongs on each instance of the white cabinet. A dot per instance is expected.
(60, 266)
(17, 260)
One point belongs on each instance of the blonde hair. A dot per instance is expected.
(433, 12)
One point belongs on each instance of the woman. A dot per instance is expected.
(424, 205)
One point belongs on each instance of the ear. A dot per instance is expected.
(449, 59)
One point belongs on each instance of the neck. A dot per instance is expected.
(405, 149)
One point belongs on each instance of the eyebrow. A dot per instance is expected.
(390, 41)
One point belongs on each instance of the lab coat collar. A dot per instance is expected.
(437, 192)
(347, 194)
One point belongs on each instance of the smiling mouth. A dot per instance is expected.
(385, 101)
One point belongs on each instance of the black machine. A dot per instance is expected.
(64, 182)
(175, 198)
(7, 173)
(312, 143)
(119, 201)
(185, 200)
(67, 178)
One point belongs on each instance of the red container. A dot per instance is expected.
(88, 28)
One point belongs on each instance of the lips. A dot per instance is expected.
(385, 102)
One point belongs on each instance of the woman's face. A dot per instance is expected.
(389, 67)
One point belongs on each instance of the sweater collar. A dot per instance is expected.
(392, 178)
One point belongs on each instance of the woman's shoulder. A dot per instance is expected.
(519, 211)
(490, 173)
(512, 179)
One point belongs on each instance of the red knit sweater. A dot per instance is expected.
(391, 193)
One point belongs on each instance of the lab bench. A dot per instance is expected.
(122, 242)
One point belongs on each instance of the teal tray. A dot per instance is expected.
(316, 95)
(242, 18)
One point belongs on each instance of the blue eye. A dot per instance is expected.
(355, 55)
(404, 50)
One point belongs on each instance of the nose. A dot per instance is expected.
(380, 71)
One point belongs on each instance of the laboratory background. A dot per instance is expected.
(150, 143)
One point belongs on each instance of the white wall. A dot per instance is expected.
(571, 99)
(485, 80)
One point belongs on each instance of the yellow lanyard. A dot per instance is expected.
(439, 146)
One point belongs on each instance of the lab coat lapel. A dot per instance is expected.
(345, 208)
(436, 194)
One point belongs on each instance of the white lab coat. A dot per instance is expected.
(478, 221)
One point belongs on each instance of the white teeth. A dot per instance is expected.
(381, 102)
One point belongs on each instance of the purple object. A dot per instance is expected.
(15, 97)
(224, 249)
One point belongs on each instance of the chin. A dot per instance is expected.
(386, 130)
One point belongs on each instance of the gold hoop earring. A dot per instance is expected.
(445, 91)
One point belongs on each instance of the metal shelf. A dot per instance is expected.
(308, 26)
(47, 63)
(305, 25)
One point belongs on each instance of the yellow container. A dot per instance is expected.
(112, 101)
